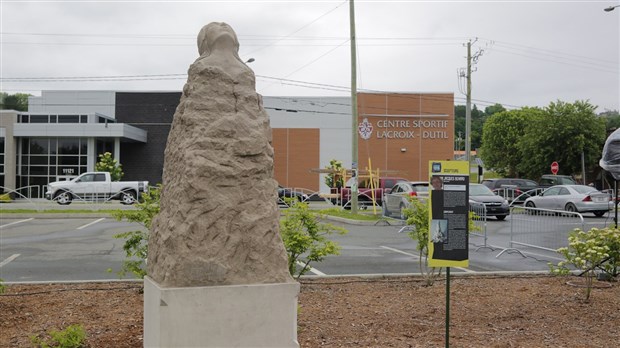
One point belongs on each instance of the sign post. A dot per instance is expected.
(555, 168)
(448, 240)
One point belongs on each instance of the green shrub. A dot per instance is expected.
(589, 251)
(136, 242)
(2, 286)
(305, 238)
(71, 337)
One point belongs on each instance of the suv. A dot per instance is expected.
(549, 180)
(511, 188)
(516, 183)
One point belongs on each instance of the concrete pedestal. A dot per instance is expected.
(257, 315)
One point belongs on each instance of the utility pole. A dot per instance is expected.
(468, 106)
(354, 156)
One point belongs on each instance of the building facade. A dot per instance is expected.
(63, 133)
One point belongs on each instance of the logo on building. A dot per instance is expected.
(365, 129)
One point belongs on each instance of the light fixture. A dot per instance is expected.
(250, 60)
(610, 8)
(403, 149)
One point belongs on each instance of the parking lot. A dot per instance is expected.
(82, 247)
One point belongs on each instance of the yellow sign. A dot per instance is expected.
(448, 237)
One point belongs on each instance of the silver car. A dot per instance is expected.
(397, 200)
(573, 198)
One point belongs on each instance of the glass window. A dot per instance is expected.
(39, 146)
(53, 119)
(1, 169)
(53, 143)
(68, 119)
(551, 192)
(25, 146)
(100, 177)
(38, 119)
(564, 191)
(68, 160)
(68, 146)
(88, 178)
(39, 160)
(24, 119)
(83, 119)
(38, 170)
(83, 160)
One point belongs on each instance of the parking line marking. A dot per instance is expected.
(311, 269)
(90, 224)
(418, 256)
(16, 222)
(9, 259)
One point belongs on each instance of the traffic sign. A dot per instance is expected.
(555, 168)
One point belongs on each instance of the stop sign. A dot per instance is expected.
(555, 167)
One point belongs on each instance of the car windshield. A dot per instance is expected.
(480, 190)
(584, 189)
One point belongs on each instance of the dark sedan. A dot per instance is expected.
(480, 195)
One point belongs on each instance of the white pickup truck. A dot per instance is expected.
(95, 186)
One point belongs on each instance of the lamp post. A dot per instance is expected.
(610, 8)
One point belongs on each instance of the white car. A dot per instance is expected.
(397, 200)
(573, 198)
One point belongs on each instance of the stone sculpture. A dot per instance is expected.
(219, 220)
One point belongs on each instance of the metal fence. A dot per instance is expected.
(479, 218)
(541, 229)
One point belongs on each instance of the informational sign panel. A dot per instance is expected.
(448, 242)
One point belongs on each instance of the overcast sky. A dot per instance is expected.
(530, 52)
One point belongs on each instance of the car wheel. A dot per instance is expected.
(501, 217)
(128, 197)
(63, 198)
(570, 207)
(531, 205)
(403, 216)
(599, 213)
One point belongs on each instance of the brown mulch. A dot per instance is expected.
(352, 312)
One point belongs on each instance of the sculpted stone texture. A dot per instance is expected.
(219, 220)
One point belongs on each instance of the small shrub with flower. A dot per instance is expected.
(589, 252)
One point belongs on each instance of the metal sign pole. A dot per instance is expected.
(447, 307)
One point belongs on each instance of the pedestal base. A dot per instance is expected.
(257, 315)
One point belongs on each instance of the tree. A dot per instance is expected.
(561, 134)
(500, 140)
(494, 109)
(334, 179)
(17, 101)
(612, 119)
(108, 164)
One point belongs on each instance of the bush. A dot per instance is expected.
(305, 238)
(71, 337)
(2, 286)
(589, 251)
(136, 242)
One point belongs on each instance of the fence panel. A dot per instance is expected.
(479, 219)
(541, 229)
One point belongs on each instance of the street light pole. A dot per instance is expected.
(354, 145)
